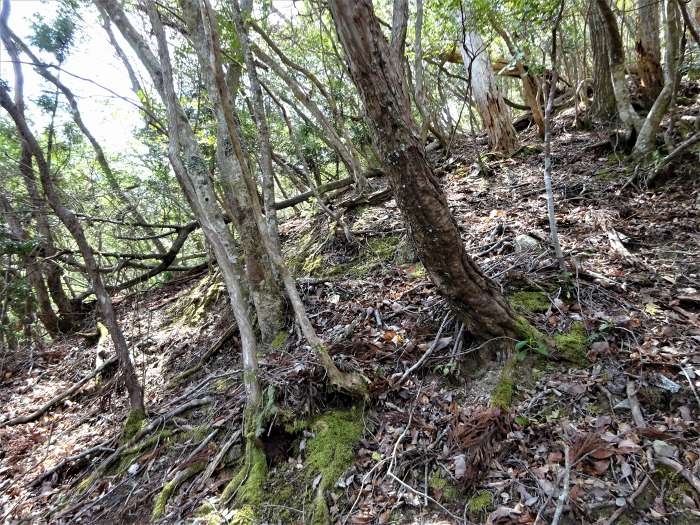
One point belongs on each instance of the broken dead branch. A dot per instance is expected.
(60, 397)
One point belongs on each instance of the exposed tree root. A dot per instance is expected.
(157, 422)
(171, 486)
(206, 356)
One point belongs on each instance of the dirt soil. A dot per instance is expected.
(433, 448)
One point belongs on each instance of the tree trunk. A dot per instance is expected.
(71, 222)
(494, 114)
(646, 141)
(417, 191)
(35, 276)
(264, 289)
(648, 48)
(603, 107)
(530, 87)
(616, 56)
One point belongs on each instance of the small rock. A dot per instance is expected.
(663, 449)
(525, 243)
(665, 383)
(134, 469)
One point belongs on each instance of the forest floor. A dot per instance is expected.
(622, 400)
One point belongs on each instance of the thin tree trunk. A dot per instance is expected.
(111, 178)
(35, 276)
(348, 382)
(646, 142)
(268, 183)
(616, 56)
(529, 82)
(71, 222)
(265, 291)
(417, 191)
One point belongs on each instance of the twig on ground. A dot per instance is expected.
(637, 415)
(57, 399)
(628, 502)
(564, 494)
(427, 353)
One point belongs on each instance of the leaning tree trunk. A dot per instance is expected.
(70, 221)
(417, 191)
(603, 106)
(648, 47)
(646, 141)
(494, 114)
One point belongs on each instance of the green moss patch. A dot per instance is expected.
(248, 485)
(480, 502)
(442, 488)
(133, 425)
(171, 486)
(573, 345)
(278, 342)
(502, 395)
(529, 301)
(332, 450)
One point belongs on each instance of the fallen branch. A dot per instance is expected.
(57, 399)
(213, 464)
(564, 494)
(102, 447)
(672, 157)
(425, 356)
(205, 357)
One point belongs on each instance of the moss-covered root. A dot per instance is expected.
(248, 485)
(133, 425)
(330, 453)
(502, 395)
(572, 345)
(350, 383)
(169, 488)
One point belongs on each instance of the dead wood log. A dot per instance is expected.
(60, 397)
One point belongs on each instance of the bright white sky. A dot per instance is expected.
(109, 118)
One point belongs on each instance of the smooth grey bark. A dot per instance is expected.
(347, 382)
(193, 176)
(260, 118)
(262, 282)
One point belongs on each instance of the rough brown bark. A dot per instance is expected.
(603, 106)
(417, 191)
(648, 48)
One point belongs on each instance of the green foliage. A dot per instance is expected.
(55, 37)
(480, 502)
